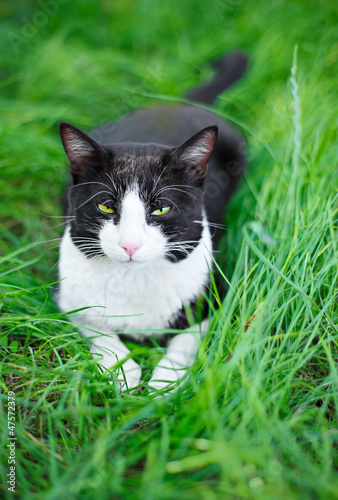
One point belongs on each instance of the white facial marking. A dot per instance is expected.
(133, 220)
(130, 298)
(132, 239)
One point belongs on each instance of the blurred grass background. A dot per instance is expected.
(260, 424)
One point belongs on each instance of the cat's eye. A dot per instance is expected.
(161, 211)
(105, 209)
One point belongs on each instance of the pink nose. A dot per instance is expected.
(130, 248)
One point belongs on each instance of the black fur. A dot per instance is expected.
(230, 69)
(146, 148)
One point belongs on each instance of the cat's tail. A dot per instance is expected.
(230, 68)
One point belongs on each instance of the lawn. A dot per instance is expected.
(257, 417)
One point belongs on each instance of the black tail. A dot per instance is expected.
(230, 69)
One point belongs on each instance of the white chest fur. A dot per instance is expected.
(127, 296)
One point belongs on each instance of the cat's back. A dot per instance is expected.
(165, 125)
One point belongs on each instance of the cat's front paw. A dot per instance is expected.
(166, 377)
(159, 389)
(129, 376)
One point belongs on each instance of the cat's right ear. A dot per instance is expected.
(79, 147)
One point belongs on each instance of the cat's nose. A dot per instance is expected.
(130, 248)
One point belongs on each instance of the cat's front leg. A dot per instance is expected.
(109, 350)
(181, 354)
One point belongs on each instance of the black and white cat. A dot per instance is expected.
(137, 250)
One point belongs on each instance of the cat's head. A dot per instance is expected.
(136, 202)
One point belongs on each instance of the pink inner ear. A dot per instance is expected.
(200, 148)
(76, 146)
(79, 147)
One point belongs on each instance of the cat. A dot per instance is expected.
(144, 197)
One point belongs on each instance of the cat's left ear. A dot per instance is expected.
(196, 151)
(80, 149)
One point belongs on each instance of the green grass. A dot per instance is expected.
(261, 423)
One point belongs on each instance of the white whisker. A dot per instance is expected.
(210, 224)
(91, 183)
(111, 179)
(64, 223)
(56, 216)
(171, 188)
(180, 186)
(96, 194)
(170, 201)
(158, 179)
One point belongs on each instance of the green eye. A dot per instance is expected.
(105, 210)
(161, 211)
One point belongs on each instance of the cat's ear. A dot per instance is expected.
(196, 151)
(79, 147)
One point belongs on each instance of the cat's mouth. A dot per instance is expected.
(133, 261)
(129, 260)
